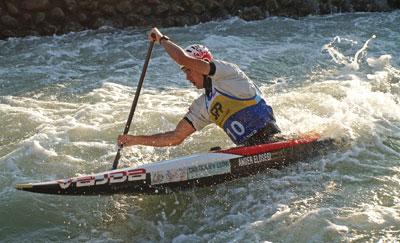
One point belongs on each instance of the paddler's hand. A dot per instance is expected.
(125, 140)
(155, 35)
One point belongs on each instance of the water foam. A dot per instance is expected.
(350, 104)
(339, 58)
(70, 127)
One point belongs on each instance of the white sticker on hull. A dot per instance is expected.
(210, 169)
(193, 172)
(166, 176)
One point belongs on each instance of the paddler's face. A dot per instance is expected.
(194, 77)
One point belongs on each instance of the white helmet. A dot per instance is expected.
(199, 52)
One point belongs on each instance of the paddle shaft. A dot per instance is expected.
(135, 101)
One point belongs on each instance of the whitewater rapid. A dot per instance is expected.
(64, 99)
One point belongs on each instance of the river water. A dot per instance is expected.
(64, 99)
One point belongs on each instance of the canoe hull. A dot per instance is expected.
(197, 170)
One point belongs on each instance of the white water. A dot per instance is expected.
(63, 100)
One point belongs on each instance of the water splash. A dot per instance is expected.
(347, 195)
(385, 77)
(354, 64)
(339, 58)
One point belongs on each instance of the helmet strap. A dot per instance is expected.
(207, 85)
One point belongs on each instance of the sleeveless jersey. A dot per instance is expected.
(234, 104)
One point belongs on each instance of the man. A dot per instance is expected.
(231, 100)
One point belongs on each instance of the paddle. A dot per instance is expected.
(135, 100)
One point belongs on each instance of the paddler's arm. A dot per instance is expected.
(178, 54)
(183, 130)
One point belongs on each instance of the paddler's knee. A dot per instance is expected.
(264, 135)
(216, 148)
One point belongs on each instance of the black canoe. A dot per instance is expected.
(203, 169)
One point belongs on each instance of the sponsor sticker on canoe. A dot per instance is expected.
(255, 159)
(109, 178)
(187, 173)
(166, 176)
(210, 169)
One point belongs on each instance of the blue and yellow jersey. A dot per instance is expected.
(235, 104)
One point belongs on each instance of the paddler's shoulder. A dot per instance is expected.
(225, 63)
(224, 68)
